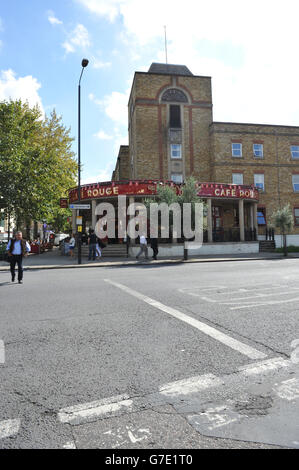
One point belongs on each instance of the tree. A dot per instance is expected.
(37, 165)
(283, 219)
(169, 195)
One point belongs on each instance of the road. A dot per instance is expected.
(151, 356)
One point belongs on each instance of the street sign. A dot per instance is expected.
(79, 206)
(79, 220)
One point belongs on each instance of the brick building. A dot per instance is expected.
(172, 136)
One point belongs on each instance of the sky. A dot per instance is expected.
(250, 49)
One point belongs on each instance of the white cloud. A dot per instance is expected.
(52, 18)
(98, 64)
(115, 106)
(24, 88)
(107, 8)
(78, 38)
(101, 135)
(100, 175)
(249, 49)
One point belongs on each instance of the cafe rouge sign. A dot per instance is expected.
(136, 188)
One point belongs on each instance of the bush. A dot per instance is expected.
(291, 249)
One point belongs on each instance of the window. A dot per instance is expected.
(236, 217)
(175, 116)
(176, 151)
(296, 215)
(237, 150)
(259, 181)
(295, 151)
(237, 178)
(261, 216)
(295, 180)
(177, 177)
(258, 151)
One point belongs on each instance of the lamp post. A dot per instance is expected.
(84, 64)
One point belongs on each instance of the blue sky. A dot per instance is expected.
(249, 49)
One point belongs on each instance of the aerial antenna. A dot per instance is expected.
(165, 44)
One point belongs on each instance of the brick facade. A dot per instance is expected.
(122, 167)
(206, 146)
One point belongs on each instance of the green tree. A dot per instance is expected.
(37, 165)
(169, 195)
(283, 219)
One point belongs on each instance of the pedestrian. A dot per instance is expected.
(72, 245)
(154, 246)
(17, 248)
(44, 231)
(143, 247)
(84, 238)
(92, 243)
(98, 249)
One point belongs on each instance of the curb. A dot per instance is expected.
(140, 263)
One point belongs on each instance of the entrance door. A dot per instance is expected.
(217, 218)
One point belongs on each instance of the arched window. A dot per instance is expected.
(173, 94)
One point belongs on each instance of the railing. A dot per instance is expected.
(230, 235)
(270, 233)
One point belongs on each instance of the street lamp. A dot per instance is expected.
(84, 64)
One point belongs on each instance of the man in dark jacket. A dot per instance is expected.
(154, 246)
(92, 243)
(17, 248)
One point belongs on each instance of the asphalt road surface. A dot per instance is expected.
(151, 356)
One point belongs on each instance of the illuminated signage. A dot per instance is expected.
(136, 188)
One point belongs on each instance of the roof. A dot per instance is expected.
(169, 69)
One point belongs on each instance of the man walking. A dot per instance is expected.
(143, 247)
(17, 248)
(92, 243)
(154, 246)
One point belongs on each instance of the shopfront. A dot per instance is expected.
(230, 214)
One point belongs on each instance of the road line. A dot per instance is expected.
(288, 390)
(94, 409)
(242, 348)
(9, 427)
(264, 366)
(259, 304)
(69, 445)
(190, 385)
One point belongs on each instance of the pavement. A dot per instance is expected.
(54, 260)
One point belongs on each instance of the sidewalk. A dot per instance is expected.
(53, 260)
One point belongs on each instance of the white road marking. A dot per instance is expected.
(78, 413)
(249, 288)
(242, 348)
(9, 427)
(264, 366)
(220, 416)
(270, 302)
(255, 297)
(69, 445)
(191, 385)
(134, 439)
(289, 390)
